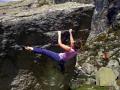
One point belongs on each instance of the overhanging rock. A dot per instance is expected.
(29, 27)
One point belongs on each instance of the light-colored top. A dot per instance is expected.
(68, 55)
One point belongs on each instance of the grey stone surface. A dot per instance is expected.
(106, 15)
(17, 68)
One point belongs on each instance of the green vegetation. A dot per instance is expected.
(89, 87)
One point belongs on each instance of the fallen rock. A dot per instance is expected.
(106, 77)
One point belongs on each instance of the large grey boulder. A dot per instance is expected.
(37, 27)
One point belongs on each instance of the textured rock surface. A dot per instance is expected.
(37, 27)
(42, 2)
(106, 40)
(106, 15)
(80, 1)
(93, 54)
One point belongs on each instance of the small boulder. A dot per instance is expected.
(106, 77)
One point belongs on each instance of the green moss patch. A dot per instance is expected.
(91, 87)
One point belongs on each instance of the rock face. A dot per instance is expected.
(35, 27)
(93, 53)
(26, 4)
(80, 1)
(106, 15)
(103, 38)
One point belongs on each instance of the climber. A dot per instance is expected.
(70, 51)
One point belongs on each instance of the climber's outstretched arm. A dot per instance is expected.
(71, 39)
(65, 47)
